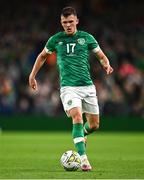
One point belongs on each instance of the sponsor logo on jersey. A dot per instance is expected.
(81, 41)
(60, 43)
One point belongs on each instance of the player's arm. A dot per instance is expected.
(37, 65)
(104, 61)
(93, 45)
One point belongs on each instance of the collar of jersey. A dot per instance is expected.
(72, 34)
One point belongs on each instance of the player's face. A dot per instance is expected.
(69, 24)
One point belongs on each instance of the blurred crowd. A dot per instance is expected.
(25, 27)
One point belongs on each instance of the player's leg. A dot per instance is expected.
(77, 130)
(73, 107)
(91, 108)
(78, 137)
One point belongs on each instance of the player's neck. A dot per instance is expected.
(75, 32)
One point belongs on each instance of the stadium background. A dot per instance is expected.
(25, 27)
(34, 131)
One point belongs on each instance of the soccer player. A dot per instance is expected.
(78, 93)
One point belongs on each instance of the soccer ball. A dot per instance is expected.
(70, 160)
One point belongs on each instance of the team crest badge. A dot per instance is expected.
(81, 41)
(69, 102)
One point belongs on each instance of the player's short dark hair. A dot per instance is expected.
(67, 11)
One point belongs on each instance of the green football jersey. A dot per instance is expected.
(73, 57)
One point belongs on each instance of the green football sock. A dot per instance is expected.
(78, 137)
(87, 129)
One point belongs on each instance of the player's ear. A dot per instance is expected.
(61, 19)
(77, 21)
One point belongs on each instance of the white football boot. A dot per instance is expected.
(85, 165)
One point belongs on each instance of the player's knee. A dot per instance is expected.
(77, 118)
(97, 125)
(94, 126)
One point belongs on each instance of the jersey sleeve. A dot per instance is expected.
(93, 44)
(50, 45)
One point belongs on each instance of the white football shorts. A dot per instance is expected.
(80, 96)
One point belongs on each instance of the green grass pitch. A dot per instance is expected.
(36, 155)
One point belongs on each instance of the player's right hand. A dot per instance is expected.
(33, 83)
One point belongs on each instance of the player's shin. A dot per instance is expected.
(78, 138)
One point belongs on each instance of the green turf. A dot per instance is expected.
(37, 155)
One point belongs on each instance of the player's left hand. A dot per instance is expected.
(108, 69)
(33, 83)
